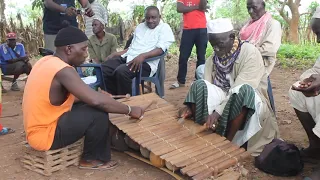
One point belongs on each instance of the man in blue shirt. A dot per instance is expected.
(57, 14)
(14, 60)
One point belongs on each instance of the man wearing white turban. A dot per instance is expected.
(101, 44)
(98, 10)
(305, 99)
(230, 100)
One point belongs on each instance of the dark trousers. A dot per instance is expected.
(189, 38)
(84, 120)
(118, 77)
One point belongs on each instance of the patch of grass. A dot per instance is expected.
(174, 50)
(289, 56)
(298, 56)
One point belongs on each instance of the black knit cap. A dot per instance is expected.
(69, 35)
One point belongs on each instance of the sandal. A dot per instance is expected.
(176, 85)
(6, 130)
(97, 165)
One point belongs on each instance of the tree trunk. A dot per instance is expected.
(294, 25)
(2, 8)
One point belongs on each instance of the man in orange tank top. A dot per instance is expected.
(194, 33)
(53, 121)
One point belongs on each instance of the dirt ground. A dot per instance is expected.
(130, 168)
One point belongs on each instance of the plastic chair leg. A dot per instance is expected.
(270, 94)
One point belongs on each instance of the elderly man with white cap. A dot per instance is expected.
(101, 44)
(305, 99)
(230, 99)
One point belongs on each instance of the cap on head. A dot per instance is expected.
(11, 35)
(98, 18)
(220, 25)
(69, 35)
(317, 13)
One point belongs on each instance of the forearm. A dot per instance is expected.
(152, 53)
(108, 104)
(181, 8)
(120, 53)
(54, 6)
(14, 60)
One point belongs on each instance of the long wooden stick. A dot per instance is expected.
(127, 96)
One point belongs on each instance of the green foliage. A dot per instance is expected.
(298, 56)
(170, 15)
(174, 50)
(234, 9)
(37, 4)
(138, 13)
(289, 56)
(113, 19)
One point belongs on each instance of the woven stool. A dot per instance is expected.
(47, 162)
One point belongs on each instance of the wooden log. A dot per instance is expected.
(199, 155)
(208, 157)
(152, 137)
(154, 129)
(174, 139)
(214, 162)
(220, 167)
(177, 141)
(157, 113)
(176, 154)
(155, 120)
(167, 149)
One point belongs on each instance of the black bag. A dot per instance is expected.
(280, 159)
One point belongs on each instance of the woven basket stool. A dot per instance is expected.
(47, 162)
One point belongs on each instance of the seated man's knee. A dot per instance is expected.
(295, 96)
(246, 88)
(122, 70)
(101, 118)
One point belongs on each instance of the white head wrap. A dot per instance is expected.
(100, 19)
(317, 13)
(220, 25)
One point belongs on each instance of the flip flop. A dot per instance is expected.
(6, 130)
(307, 159)
(176, 85)
(109, 165)
(87, 164)
(98, 165)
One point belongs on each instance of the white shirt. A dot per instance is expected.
(146, 39)
(98, 10)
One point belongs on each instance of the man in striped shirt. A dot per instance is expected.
(99, 11)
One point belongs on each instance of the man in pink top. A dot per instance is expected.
(194, 33)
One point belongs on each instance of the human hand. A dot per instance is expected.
(136, 112)
(135, 64)
(212, 120)
(310, 86)
(26, 59)
(203, 5)
(110, 56)
(104, 92)
(71, 11)
(89, 12)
